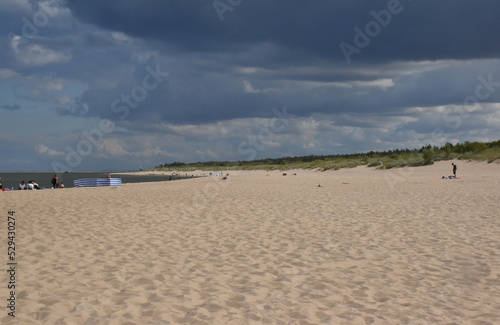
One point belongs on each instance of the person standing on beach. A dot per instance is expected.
(55, 181)
(454, 169)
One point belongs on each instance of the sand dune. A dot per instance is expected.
(365, 247)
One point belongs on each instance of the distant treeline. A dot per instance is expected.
(387, 159)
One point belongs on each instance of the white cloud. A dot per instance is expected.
(64, 101)
(246, 70)
(378, 83)
(8, 73)
(35, 54)
(55, 85)
(120, 37)
(44, 150)
(8, 4)
(144, 56)
(248, 88)
(53, 7)
(207, 153)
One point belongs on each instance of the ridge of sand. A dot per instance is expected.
(365, 247)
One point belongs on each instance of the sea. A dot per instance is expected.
(11, 180)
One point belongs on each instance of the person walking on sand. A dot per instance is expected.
(454, 169)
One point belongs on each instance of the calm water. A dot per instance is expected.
(44, 179)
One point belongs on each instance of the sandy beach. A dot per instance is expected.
(354, 246)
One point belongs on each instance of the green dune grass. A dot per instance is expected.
(427, 155)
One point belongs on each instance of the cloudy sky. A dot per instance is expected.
(128, 84)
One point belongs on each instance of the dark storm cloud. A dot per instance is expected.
(209, 98)
(418, 30)
(290, 44)
(13, 107)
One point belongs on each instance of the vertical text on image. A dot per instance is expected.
(11, 263)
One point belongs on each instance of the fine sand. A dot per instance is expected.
(354, 246)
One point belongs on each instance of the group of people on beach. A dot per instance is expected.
(32, 185)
